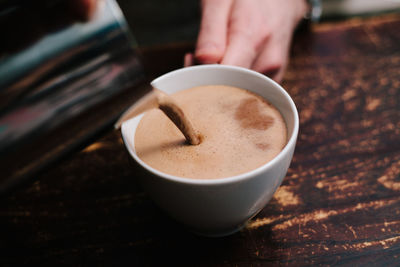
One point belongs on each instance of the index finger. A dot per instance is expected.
(211, 42)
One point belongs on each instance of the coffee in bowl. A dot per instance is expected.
(240, 131)
(220, 206)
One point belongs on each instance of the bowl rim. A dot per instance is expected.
(224, 180)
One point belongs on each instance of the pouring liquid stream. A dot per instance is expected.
(158, 99)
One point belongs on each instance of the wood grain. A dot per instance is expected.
(338, 205)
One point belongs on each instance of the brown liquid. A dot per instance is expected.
(240, 132)
(176, 115)
(158, 99)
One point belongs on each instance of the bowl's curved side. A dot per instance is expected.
(220, 206)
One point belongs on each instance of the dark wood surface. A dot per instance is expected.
(338, 205)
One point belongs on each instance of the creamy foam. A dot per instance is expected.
(240, 132)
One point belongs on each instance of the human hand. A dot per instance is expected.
(254, 34)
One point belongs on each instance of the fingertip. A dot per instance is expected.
(188, 60)
(211, 41)
(209, 54)
(238, 56)
(273, 71)
(272, 62)
(267, 68)
(279, 76)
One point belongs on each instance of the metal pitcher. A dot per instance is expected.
(64, 69)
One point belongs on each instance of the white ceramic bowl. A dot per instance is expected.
(220, 206)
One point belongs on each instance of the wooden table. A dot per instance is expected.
(339, 204)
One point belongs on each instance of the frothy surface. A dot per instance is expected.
(240, 132)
